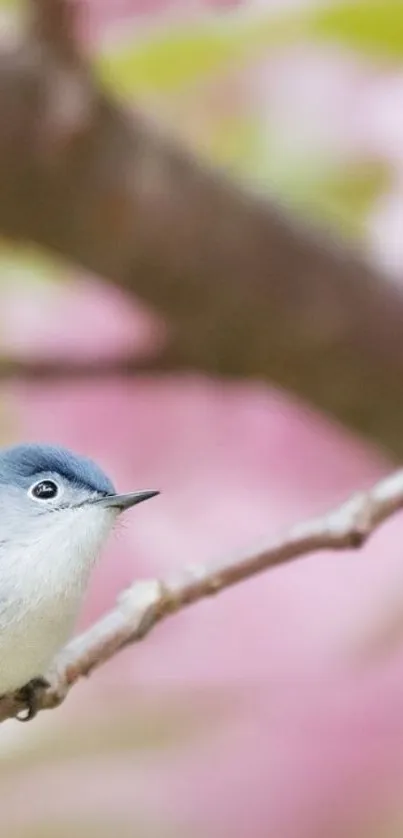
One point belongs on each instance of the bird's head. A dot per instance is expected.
(57, 500)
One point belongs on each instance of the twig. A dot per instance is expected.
(63, 369)
(146, 603)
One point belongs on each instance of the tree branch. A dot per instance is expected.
(57, 369)
(146, 603)
(247, 290)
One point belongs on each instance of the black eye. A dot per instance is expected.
(44, 490)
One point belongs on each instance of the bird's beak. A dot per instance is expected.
(122, 502)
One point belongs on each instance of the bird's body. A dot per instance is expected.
(56, 511)
(43, 580)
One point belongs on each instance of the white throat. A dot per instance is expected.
(60, 551)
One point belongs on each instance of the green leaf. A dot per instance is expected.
(174, 57)
(179, 56)
(344, 197)
(374, 27)
(338, 196)
(28, 264)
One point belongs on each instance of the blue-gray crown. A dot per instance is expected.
(18, 465)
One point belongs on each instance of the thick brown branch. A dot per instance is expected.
(247, 291)
(146, 603)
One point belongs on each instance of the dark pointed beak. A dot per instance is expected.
(123, 502)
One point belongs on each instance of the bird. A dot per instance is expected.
(57, 509)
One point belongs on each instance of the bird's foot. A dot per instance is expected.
(30, 695)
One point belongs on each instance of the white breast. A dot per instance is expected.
(42, 582)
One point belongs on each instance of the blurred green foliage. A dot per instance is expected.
(339, 197)
(373, 28)
(183, 59)
(181, 54)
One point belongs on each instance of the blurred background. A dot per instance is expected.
(275, 709)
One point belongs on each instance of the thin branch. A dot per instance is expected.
(146, 603)
(248, 291)
(63, 369)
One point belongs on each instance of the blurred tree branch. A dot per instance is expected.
(147, 602)
(54, 369)
(247, 291)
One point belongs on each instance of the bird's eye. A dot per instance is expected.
(44, 490)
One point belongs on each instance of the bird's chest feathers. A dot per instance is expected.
(43, 578)
(45, 571)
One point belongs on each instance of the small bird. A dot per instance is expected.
(56, 511)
